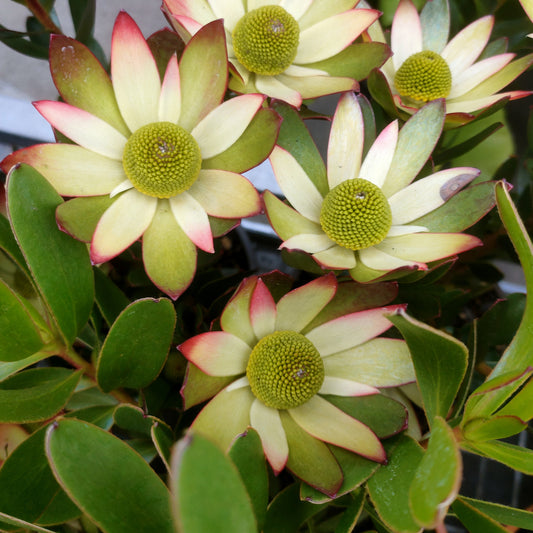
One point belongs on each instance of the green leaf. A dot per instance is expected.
(19, 336)
(381, 93)
(9, 244)
(296, 139)
(506, 515)
(8, 369)
(352, 513)
(496, 427)
(247, 455)
(137, 345)
(437, 478)
(440, 363)
(11, 520)
(475, 520)
(83, 14)
(355, 61)
(110, 482)
(252, 147)
(389, 487)
(27, 486)
(520, 405)
(519, 354)
(435, 21)
(109, 298)
(162, 440)
(515, 457)
(208, 493)
(36, 394)
(59, 265)
(286, 513)
(198, 386)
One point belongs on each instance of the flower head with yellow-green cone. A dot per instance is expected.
(156, 157)
(363, 216)
(282, 366)
(427, 65)
(287, 49)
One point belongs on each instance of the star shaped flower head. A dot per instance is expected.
(289, 369)
(286, 49)
(153, 157)
(367, 215)
(426, 65)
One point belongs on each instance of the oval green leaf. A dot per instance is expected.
(208, 492)
(59, 265)
(137, 345)
(437, 478)
(110, 482)
(19, 336)
(36, 394)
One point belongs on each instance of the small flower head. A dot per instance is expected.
(279, 48)
(426, 65)
(281, 366)
(365, 217)
(154, 157)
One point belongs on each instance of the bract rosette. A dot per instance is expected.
(427, 65)
(286, 368)
(284, 49)
(364, 217)
(153, 157)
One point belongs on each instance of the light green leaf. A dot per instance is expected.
(248, 456)
(110, 482)
(520, 405)
(389, 487)
(437, 478)
(501, 513)
(19, 336)
(137, 345)
(36, 394)
(515, 457)
(497, 427)
(475, 520)
(27, 486)
(59, 265)
(440, 363)
(208, 493)
(435, 21)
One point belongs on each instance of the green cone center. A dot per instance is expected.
(355, 214)
(285, 370)
(266, 39)
(423, 77)
(162, 159)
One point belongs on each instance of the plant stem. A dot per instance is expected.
(42, 16)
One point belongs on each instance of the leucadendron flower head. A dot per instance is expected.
(296, 370)
(427, 65)
(366, 214)
(288, 50)
(153, 157)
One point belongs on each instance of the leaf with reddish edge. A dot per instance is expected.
(198, 386)
(355, 61)
(355, 469)
(164, 44)
(137, 345)
(83, 82)
(461, 211)
(208, 494)
(110, 482)
(352, 297)
(437, 478)
(203, 74)
(59, 265)
(296, 139)
(474, 519)
(389, 492)
(247, 455)
(440, 363)
(252, 147)
(310, 459)
(496, 427)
